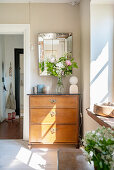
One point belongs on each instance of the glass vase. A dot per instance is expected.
(59, 87)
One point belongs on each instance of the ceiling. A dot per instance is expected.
(40, 1)
(102, 1)
(73, 2)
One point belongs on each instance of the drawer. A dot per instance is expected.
(50, 116)
(53, 133)
(67, 101)
(42, 101)
(54, 101)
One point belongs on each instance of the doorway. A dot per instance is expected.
(11, 126)
(25, 30)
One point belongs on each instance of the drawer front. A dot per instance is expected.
(43, 116)
(50, 116)
(42, 101)
(54, 101)
(67, 101)
(53, 133)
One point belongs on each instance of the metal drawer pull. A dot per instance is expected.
(53, 130)
(53, 101)
(52, 113)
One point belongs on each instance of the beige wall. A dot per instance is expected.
(89, 123)
(53, 18)
(44, 18)
(14, 13)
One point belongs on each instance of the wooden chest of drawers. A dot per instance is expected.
(53, 119)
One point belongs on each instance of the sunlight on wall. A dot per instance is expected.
(99, 86)
(102, 54)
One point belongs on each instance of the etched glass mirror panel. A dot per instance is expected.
(52, 46)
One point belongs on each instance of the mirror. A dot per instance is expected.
(52, 45)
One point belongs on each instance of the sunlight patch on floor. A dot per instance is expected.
(44, 149)
(37, 162)
(24, 155)
(33, 160)
(19, 157)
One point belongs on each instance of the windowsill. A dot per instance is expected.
(103, 121)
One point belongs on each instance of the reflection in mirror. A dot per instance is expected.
(52, 46)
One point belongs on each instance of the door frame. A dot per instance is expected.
(17, 52)
(25, 30)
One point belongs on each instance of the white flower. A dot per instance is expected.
(113, 156)
(59, 72)
(60, 65)
(52, 60)
(101, 139)
(112, 165)
(91, 153)
(93, 132)
(106, 151)
(106, 162)
(107, 156)
(102, 156)
(98, 134)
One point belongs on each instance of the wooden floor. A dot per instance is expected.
(15, 155)
(11, 129)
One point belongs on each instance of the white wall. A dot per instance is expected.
(102, 47)
(9, 43)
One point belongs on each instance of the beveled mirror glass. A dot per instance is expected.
(52, 45)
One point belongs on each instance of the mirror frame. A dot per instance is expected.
(59, 35)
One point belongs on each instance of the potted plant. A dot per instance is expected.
(59, 68)
(99, 148)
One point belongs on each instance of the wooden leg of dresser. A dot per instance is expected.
(77, 146)
(30, 146)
